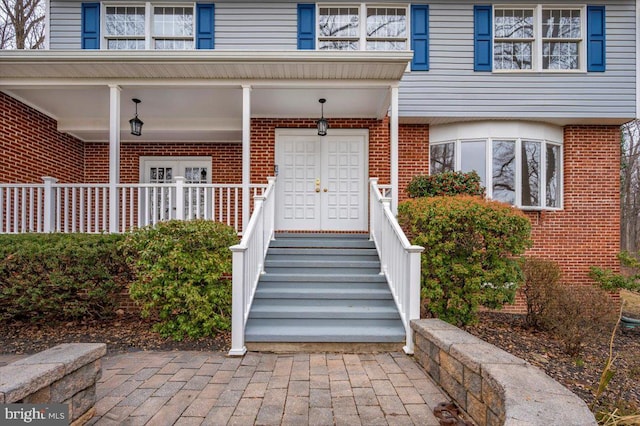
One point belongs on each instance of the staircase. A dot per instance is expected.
(323, 288)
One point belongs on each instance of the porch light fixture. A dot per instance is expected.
(323, 125)
(135, 122)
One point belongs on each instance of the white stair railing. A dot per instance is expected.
(400, 260)
(248, 263)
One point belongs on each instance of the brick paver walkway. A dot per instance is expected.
(202, 388)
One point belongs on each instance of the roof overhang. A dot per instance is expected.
(196, 96)
(204, 64)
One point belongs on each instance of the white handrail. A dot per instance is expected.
(399, 259)
(248, 263)
(86, 207)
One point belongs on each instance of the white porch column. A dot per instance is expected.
(246, 155)
(114, 157)
(394, 149)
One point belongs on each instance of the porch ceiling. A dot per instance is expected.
(197, 96)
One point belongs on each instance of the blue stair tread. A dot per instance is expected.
(304, 311)
(334, 278)
(311, 330)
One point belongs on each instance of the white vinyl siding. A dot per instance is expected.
(256, 26)
(452, 90)
(65, 25)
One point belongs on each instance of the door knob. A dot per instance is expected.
(317, 185)
(326, 190)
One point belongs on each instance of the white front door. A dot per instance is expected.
(322, 181)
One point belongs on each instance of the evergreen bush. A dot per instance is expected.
(447, 183)
(60, 277)
(183, 273)
(471, 248)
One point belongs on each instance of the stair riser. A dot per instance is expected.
(327, 278)
(323, 252)
(304, 257)
(260, 294)
(321, 244)
(321, 270)
(327, 314)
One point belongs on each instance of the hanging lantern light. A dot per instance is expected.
(135, 122)
(322, 124)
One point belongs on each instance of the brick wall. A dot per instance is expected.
(413, 155)
(226, 159)
(587, 231)
(32, 147)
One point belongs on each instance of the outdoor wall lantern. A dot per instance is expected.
(323, 125)
(135, 122)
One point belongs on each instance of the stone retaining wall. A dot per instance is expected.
(491, 385)
(65, 374)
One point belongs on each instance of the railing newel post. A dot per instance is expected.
(49, 204)
(237, 302)
(180, 180)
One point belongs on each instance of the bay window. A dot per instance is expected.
(525, 172)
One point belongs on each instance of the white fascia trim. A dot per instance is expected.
(199, 56)
(8, 83)
(496, 130)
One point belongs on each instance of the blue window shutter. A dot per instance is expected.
(90, 26)
(420, 37)
(596, 46)
(483, 40)
(307, 26)
(205, 25)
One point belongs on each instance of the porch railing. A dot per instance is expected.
(399, 259)
(80, 207)
(248, 263)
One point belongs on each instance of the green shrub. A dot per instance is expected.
(577, 314)
(470, 248)
(60, 277)
(182, 276)
(540, 279)
(612, 281)
(447, 183)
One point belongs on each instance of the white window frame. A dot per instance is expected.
(536, 53)
(362, 11)
(178, 163)
(517, 132)
(149, 37)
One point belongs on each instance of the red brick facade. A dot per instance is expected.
(585, 233)
(226, 159)
(32, 147)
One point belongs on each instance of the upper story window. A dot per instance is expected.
(125, 27)
(523, 169)
(538, 38)
(362, 27)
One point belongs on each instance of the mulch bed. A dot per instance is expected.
(121, 334)
(580, 375)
